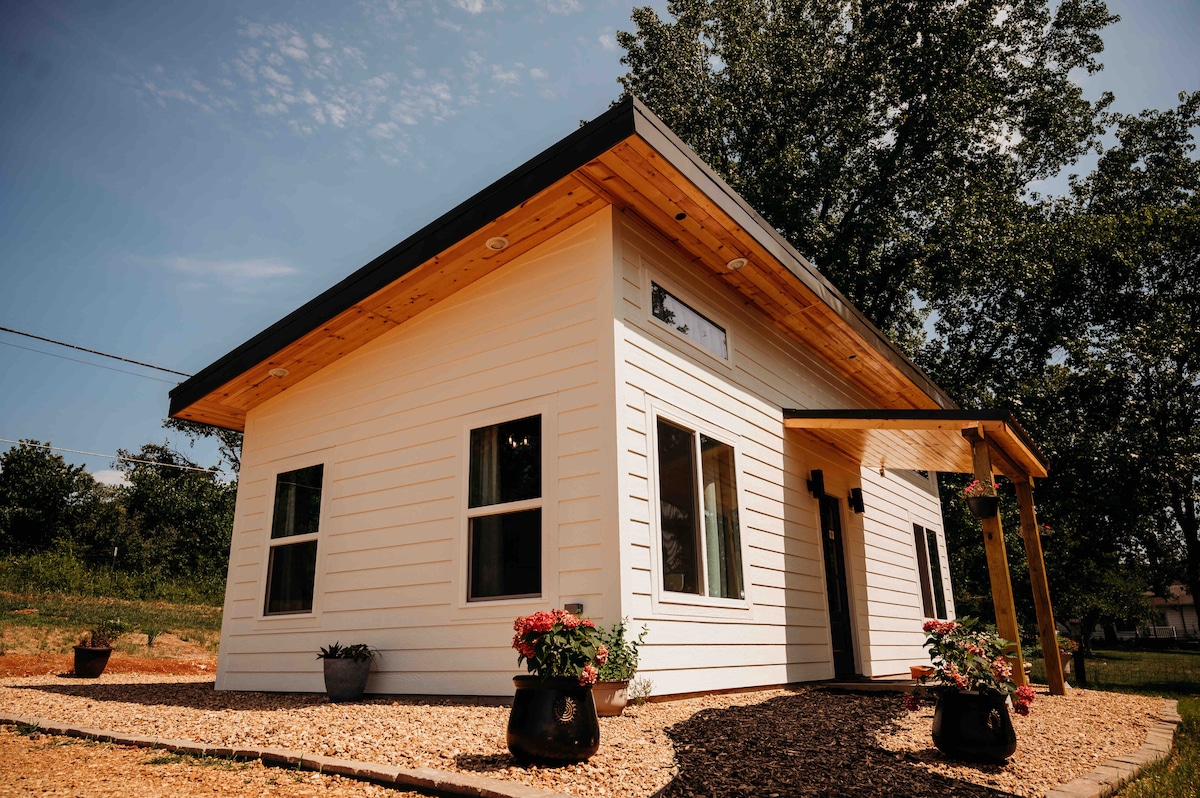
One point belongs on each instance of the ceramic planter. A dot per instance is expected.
(91, 662)
(346, 679)
(552, 721)
(974, 726)
(611, 697)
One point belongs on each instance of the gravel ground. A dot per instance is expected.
(805, 741)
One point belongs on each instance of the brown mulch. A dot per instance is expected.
(37, 764)
(805, 741)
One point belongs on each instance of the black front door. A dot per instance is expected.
(836, 585)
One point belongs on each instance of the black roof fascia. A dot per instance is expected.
(540, 172)
(626, 118)
(929, 415)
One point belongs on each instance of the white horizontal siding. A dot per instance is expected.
(784, 635)
(389, 421)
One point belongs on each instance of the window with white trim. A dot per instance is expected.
(698, 514)
(929, 568)
(688, 322)
(504, 511)
(292, 560)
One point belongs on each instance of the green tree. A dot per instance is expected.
(229, 441)
(42, 498)
(885, 140)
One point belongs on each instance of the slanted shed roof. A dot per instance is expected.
(626, 158)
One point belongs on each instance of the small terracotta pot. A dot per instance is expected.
(611, 697)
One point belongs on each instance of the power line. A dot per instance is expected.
(93, 351)
(88, 363)
(115, 457)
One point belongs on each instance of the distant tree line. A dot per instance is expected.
(166, 523)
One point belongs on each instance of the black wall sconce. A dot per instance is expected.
(856, 500)
(816, 483)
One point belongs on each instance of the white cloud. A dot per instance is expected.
(505, 77)
(537, 73)
(238, 275)
(277, 77)
(607, 42)
(478, 6)
(320, 41)
(562, 6)
(110, 477)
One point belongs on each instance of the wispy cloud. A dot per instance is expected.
(607, 41)
(340, 80)
(236, 275)
(110, 477)
(561, 6)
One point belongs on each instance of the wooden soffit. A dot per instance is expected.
(922, 440)
(626, 159)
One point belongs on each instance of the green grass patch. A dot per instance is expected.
(1174, 672)
(1178, 776)
(193, 760)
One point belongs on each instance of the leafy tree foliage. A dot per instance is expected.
(229, 441)
(882, 139)
(42, 497)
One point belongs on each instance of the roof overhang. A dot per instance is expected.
(627, 159)
(923, 440)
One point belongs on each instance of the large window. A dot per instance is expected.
(504, 511)
(698, 514)
(929, 568)
(292, 565)
(683, 319)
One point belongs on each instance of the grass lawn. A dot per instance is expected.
(1172, 674)
(49, 623)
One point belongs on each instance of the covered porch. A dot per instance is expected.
(981, 443)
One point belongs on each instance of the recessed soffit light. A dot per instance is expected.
(496, 243)
(736, 264)
(279, 372)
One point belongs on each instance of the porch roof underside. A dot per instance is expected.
(922, 440)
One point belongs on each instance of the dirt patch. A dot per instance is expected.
(62, 664)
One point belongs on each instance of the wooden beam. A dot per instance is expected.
(1041, 589)
(997, 558)
(876, 423)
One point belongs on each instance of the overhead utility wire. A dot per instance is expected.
(115, 457)
(89, 363)
(93, 351)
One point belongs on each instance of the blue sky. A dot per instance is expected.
(175, 177)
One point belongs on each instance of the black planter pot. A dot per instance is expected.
(345, 679)
(983, 506)
(91, 662)
(552, 721)
(973, 726)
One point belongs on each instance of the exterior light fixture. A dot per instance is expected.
(736, 264)
(679, 217)
(279, 372)
(496, 243)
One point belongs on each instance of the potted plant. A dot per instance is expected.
(1066, 650)
(95, 647)
(553, 718)
(982, 499)
(611, 690)
(346, 670)
(973, 686)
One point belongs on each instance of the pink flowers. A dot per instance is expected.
(965, 657)
(953, 674)
(977, 488)
(557, 644)
(588, 677)
(1022, 699)
(912, 703)
(1001, 670)
(939, 627)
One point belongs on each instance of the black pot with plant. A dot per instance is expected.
(95, 647)
(346, 670)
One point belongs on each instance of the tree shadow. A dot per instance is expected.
(811, 743)
(190, 694)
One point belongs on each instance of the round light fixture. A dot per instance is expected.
(496, 243)
(279, 372)
(736, 264)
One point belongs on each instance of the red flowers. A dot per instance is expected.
(939, 627)
(1022, 699)
(557, 644)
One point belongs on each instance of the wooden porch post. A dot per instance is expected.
(997, 559)
(1041, 588)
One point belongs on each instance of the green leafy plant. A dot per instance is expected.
(559, 645)
(977, 488)
(965, 658)
(359, 652)
(103, 634)
(622, 660)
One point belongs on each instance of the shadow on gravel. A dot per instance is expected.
(808, 744)
(191, 694)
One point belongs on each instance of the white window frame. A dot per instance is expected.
(543, 407)
(670, 602)
(323, 458)
(931, 583)
(650, 277)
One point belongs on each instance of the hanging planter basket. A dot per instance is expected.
(983, 506)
